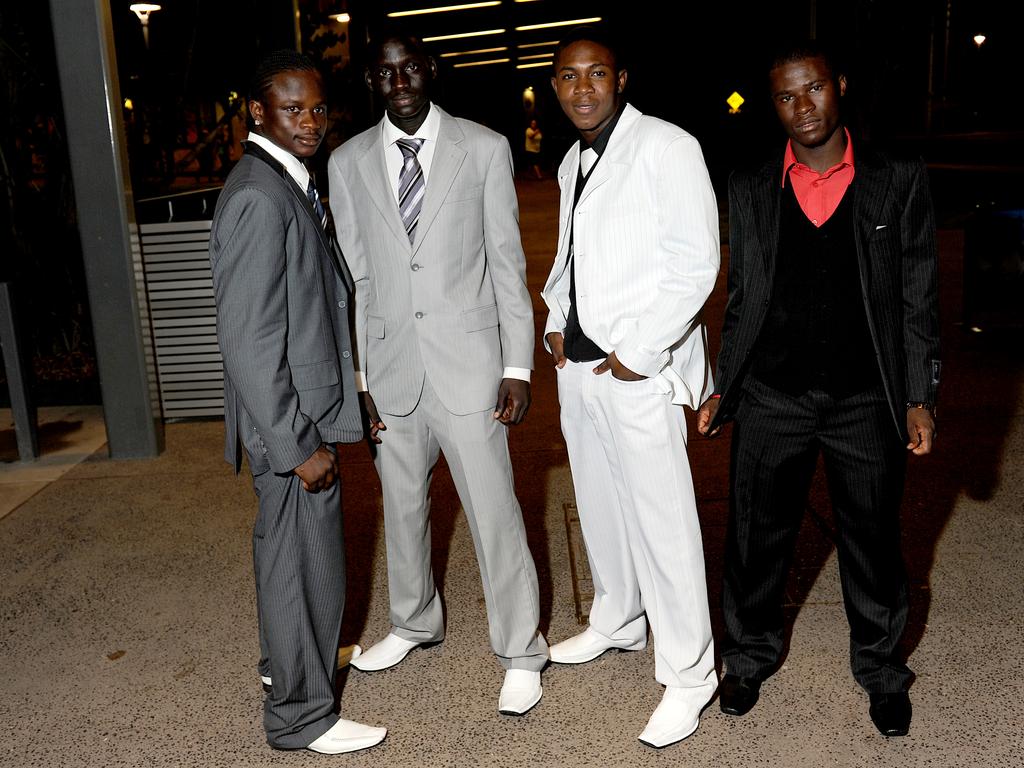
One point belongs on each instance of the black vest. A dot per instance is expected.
(816, 333)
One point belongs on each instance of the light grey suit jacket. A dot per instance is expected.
(452, 306)
(282, 321)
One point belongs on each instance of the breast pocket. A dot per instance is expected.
(459, 193)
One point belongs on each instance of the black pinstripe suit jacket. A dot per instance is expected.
(894, 230)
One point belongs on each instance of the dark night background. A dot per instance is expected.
(917, 82)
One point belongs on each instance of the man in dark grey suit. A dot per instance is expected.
(829, 346)
(427, 214)
(289, 397)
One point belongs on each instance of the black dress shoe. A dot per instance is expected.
(738, 695)
(890, 712)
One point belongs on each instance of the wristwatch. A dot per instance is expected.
(923, 405)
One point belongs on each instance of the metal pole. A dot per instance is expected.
(17, 366)
(84, 41)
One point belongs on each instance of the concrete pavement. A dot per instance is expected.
(127, 621)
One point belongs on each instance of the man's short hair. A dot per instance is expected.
(795, 50)
(592, 34)
(284, 60)
(412, 43)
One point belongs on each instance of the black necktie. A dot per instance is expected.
(318, 207)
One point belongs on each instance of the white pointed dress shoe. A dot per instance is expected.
(388, 652)
(347, 736)
(673, 720)
(587, 646)
(520, 692)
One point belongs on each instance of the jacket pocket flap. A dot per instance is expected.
(480, 318)
(314, 375)
(465, 193)
(375, 326)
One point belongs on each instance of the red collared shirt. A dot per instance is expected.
(819, 194)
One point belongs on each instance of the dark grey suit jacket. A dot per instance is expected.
(894, 230)
(282, 321)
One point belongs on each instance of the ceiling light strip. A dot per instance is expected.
(443, 9)
(499, 49)
(566, 23)
(547, 56)
(534, 64)
(537, 45)
(463, 34)
(480, 63)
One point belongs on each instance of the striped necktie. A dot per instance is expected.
(411, 185)
(318, 207)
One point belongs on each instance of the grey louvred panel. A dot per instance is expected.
(179, 293)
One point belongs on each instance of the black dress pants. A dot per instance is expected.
(775, 447)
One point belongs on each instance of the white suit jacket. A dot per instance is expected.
(452, 306)
(645, 237)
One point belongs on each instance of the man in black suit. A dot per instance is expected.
(829, 346)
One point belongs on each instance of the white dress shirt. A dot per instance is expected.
(291, 163)
(393, 157)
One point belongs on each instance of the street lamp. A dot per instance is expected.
(142, 10)
(979, 39)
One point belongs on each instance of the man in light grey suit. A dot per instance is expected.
(289, 397)
(427, 215)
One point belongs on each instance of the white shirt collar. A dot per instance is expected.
(428, 131)
(291, 163)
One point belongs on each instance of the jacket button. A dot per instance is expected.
(415, 267)
(342, 304)
(419, 315)
(346, 354)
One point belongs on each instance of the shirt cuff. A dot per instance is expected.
(361, 382)
(517, 373)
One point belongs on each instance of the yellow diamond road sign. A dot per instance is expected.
(735, 101)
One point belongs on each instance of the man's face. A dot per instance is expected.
(588, 86)
(806, 97)
(293, 112)
(401, 77)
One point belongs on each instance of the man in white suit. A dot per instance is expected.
(637, 257)
(427, 215)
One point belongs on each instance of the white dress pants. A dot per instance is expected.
(627, 451)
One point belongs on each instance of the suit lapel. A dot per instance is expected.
(444, 167)
(766, 205)
(567, 177)
(302, 202)
(870, 188)
(375, 177)
(599, 176)
(620, 150)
